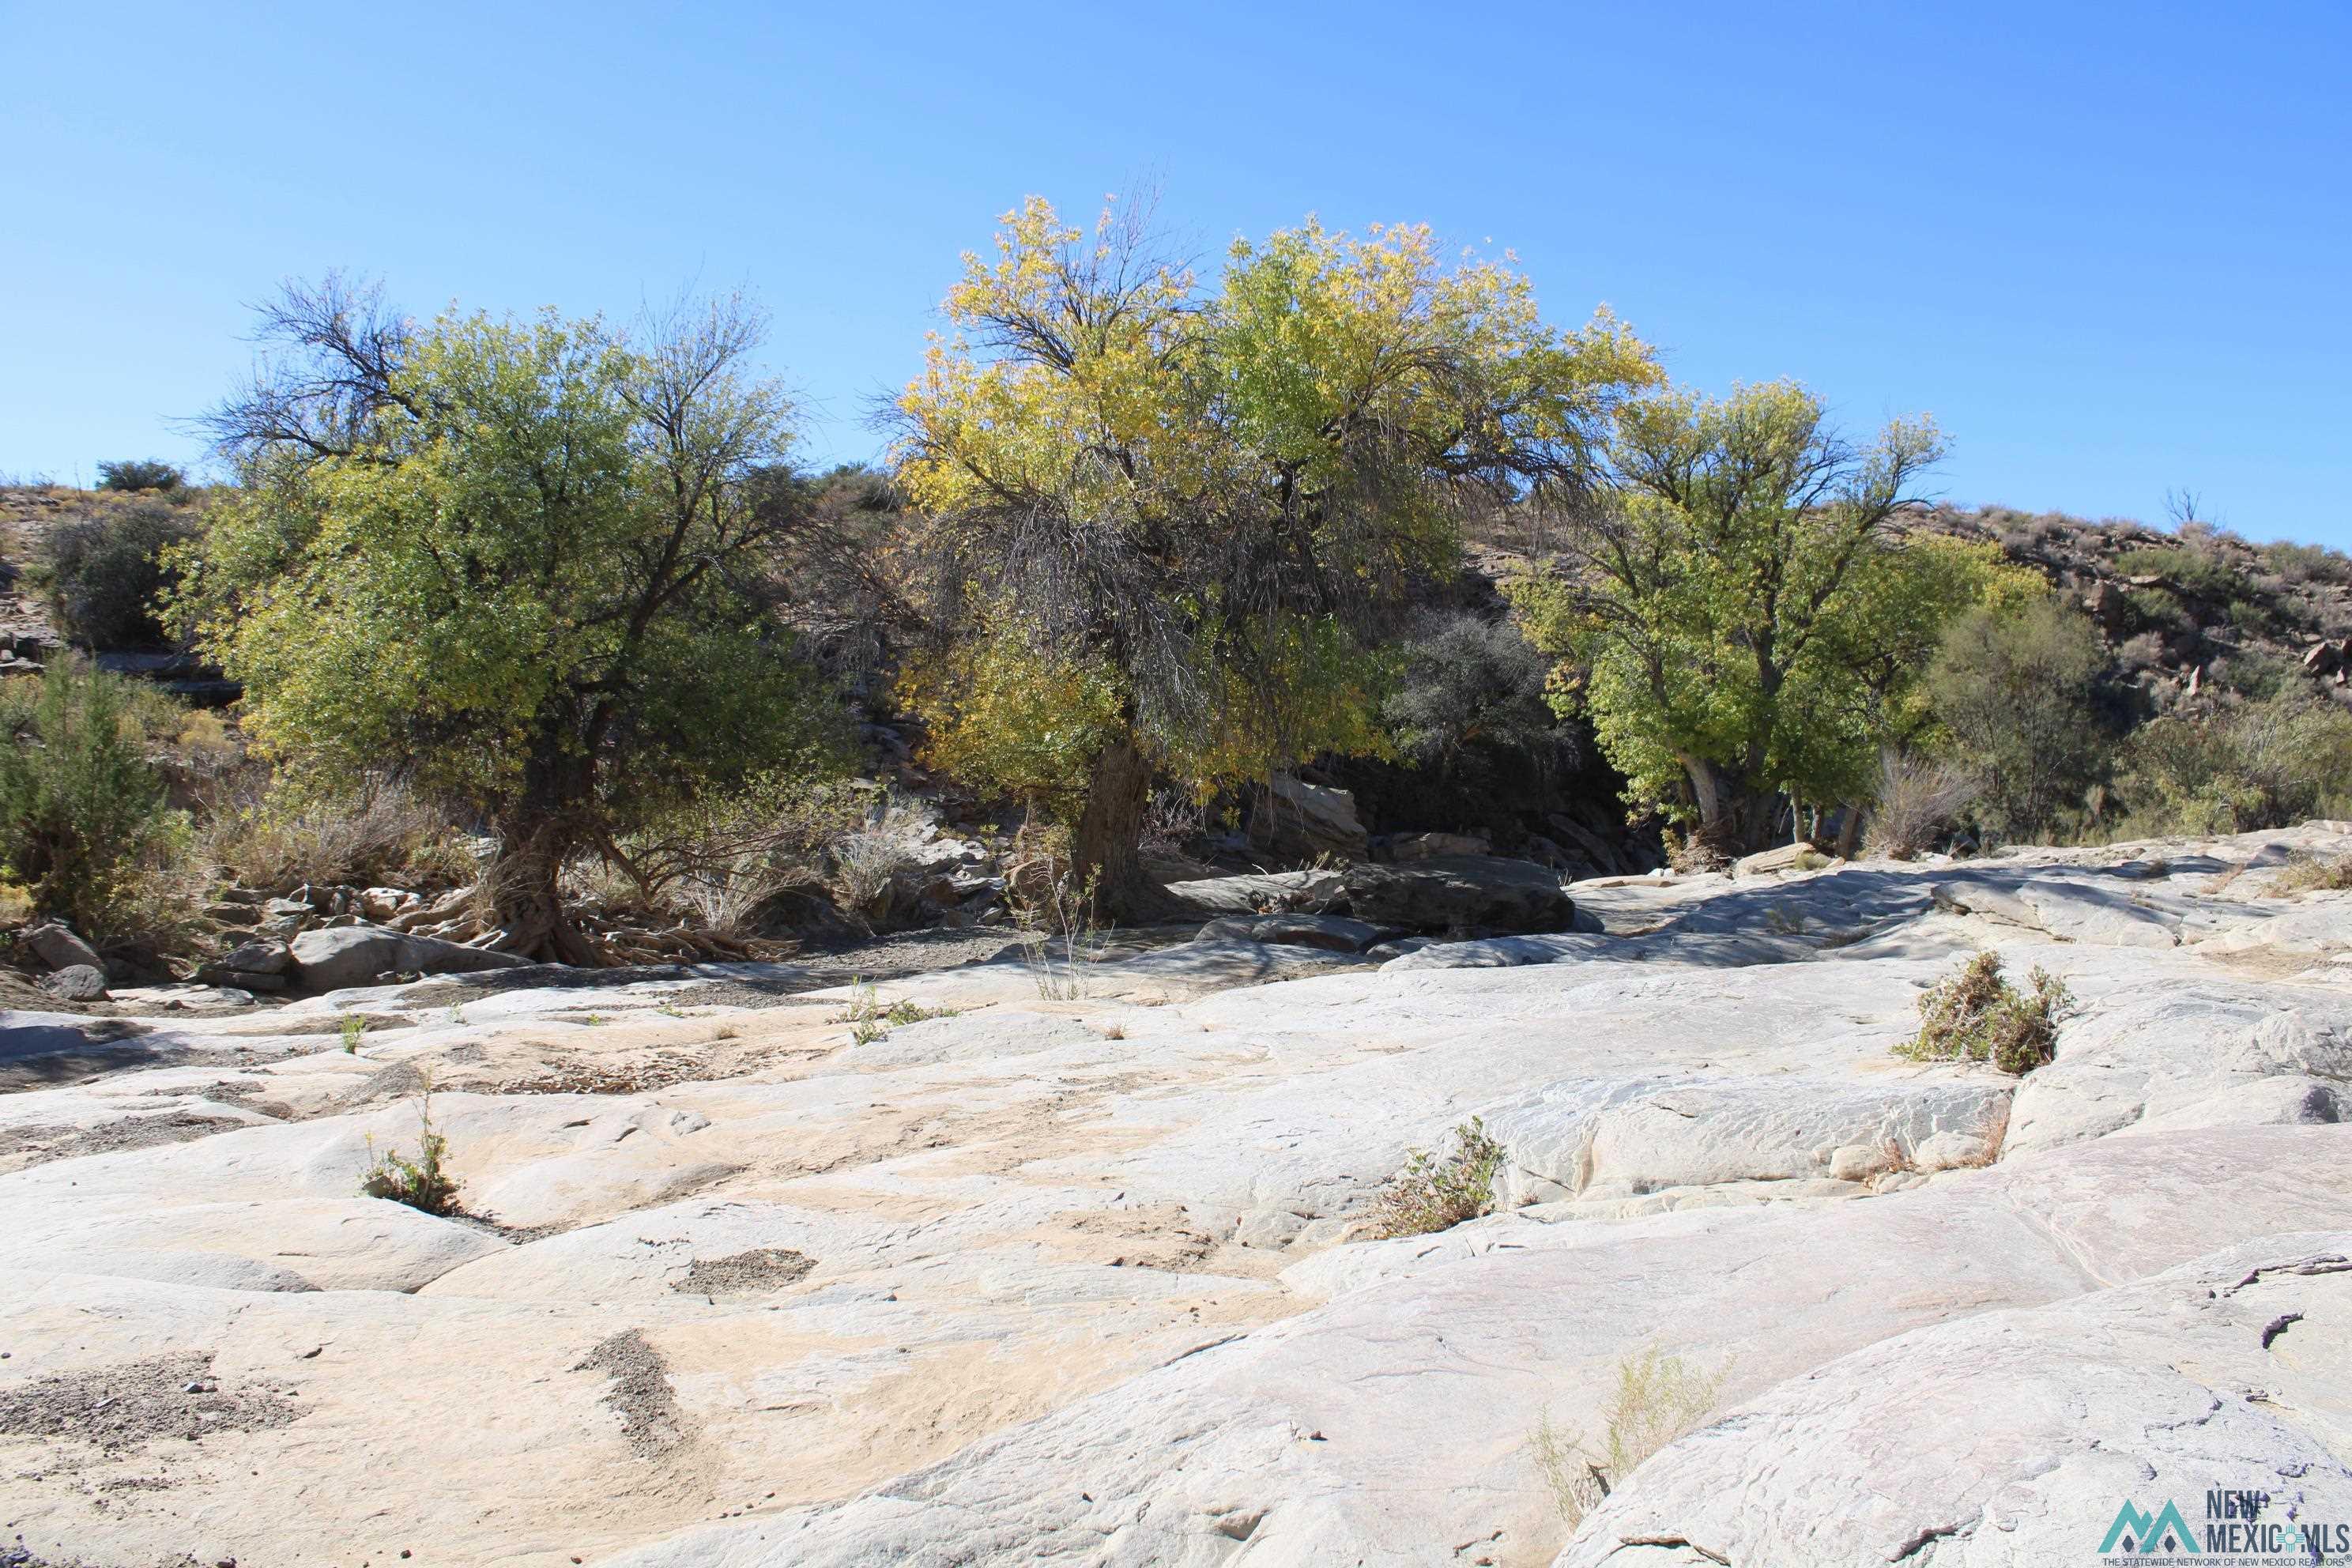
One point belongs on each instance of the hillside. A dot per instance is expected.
(2187, 605)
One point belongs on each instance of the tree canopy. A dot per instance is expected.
(1178, 511)
(522, 562)
(1739, 614)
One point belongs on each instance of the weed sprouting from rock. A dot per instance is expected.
(1976, 1015)
(1438, 1192)
(1657, 1399)
(423, 1183)
(869, 1020)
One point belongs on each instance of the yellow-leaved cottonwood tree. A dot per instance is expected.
(1171, 513)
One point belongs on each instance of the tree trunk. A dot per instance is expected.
(1733, 819)
(523, 886)
(1849, 832)
(1107, 843)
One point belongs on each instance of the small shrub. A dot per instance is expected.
(422, 1182)
(1976, 1015)
(140, 474)
(1174, 822)
(83, 819)
(2309, 873)
(354, 1027)
(1438, 1192)
(1657, 1399)
(105, 568)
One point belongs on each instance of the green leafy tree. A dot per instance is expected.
(140, 474)
(1738, 613)
(1189, 509)
(2019, 693)
(524, 562)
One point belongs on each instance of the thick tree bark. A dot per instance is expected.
(523, 893)
(1732, 818)
(1107, 843)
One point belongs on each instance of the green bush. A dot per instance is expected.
(1976, 1015)
(2270, 764)
(83, 819)
(1467, 681)
(105, 568)
(2019, 692)
(140, 474)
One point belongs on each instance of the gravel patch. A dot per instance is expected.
(130, 1403)
(44, 1144)
(641, 1392)
(746, 1273)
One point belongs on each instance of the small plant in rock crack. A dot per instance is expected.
(1657, 1399)
(1437, 1192)
(423, 1183)
(354, 1027)
(868, 1020)
(1976, 1015)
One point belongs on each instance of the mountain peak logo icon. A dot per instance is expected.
(2135, 1530)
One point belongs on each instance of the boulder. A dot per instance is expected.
(341, 956)
(78, 982)
(1481, 892)
(1333, 934)
(55, 944)
(1434, 845)
(1300, 821)
(1770, 862)
(259, 958)
(382, 903)
(1997, 1435)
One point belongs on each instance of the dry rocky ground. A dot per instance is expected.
(1087, 1278)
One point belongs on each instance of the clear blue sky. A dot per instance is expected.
(2107, 245)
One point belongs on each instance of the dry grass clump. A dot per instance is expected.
(1657, 1399)
(1438, 1192)
(1976, 1015)
(866, 858)
(2307, 873)
(381, 835)
(1919, 802)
